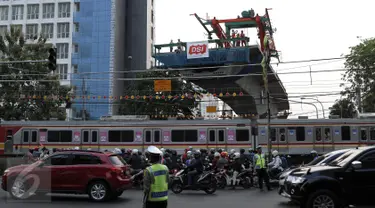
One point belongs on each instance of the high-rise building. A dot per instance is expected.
(51, 18)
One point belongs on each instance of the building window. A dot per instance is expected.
(4, 12)
(75, 48)
(64, 10)
(152, 16)
(16, 27)
(76, 27)
(48, 11)
(33, 11)
(17, 12)
(62, 50)
(47, 30)
(62, 69)
(3, 29)
(152, 33)
(63, 30)
(77, 7)
(75, 69)
(32, 31)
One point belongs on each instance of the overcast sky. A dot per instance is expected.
(305, 30)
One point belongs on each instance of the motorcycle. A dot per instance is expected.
(137, 179)
(244, 178)
(206, 182)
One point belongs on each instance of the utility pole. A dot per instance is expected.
(83, 99)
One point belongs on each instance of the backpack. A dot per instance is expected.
(284, 163)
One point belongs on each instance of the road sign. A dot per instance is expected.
(211, 109)
(162, 85)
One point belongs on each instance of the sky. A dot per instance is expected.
(305, 30)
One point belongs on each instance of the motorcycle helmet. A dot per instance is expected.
(223, 154)
(232, 151)
(220, 151)
(236, 155)
(275, 153)
(135, 152)
(217, 154)
(212, 150)
(242, 151)
(197, 154)
(188, 153)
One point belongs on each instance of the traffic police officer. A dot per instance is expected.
(261, 170)
(155, 181)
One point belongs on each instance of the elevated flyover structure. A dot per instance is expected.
(229, 66)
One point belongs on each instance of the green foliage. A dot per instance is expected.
(168, 106)
(344, 108)
(13, 47)
(360, 65)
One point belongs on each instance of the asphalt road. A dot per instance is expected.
(133, 199)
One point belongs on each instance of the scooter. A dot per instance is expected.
(206, 182)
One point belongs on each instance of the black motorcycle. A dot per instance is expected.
(205, 181)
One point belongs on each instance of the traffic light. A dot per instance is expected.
(52, 65)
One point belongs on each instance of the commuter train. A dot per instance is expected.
(293, 137)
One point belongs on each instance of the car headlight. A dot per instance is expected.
(295, 179)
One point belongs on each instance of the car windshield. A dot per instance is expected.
(318, 160)
(345, 158)
(117, 160)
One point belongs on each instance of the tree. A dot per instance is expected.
(344, 108)
(360, 65)
(22, 80)
(172, 106)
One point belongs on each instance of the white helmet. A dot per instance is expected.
(217, 154)
(154, 150)
(190, 147)
(197, 151)
(232, 151)
(188, 153)
(117, 151)
(134, 151)
(76, 148)
(314, 152)
(275, 153)
(236, 155)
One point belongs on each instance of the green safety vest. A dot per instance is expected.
(159, 185)
(260, 162)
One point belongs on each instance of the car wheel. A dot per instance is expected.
(18, 190)
(99, 191)
(323, 198)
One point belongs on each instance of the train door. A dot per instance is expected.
(327, 139)
(90, 139)
(318, 141)
(29, 139)
(282, 141)
(216, 138)
(364, 135)
(274, 139)
(152, 137)
(372, 134)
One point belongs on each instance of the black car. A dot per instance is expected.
(348, 180)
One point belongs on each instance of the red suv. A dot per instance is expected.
(102, 176)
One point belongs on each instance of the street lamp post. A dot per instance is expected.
(321, 104)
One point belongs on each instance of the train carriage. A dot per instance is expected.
(287, 136)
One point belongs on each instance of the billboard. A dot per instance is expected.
(197, 50)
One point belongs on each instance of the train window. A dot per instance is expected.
(66, 136)
(184, 135)
(26, 136)
(85, 136)
(273, 134)
(327, 134)
(372, 133)
(148, 136)
(345, 133)
(221, 135)
(121, 136)
(318, 134)
(34, 136)
(242, 135)
(363, 134)
(191, 135)
(178, 136)
(156, 136)
(94, 136)
(282, 134)
(300, 134)
(212, 135)
(59, 136)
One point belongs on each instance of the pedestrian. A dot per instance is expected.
(261, 170)
(155, 181)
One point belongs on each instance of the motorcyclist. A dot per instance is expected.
(215, 160)
(136, 162)
(243, 158)
(275, 164)
(174, 159)
(184, 157)
(237, 167)
(231, 154)
(314, 154)
(195, 168)
(211, 156)
(168, 161)
(188, 158)
(222, 162)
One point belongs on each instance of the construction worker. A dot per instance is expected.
(261, 169)
(155, 181)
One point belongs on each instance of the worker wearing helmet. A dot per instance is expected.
(195, 168)
(276, 164)
(261, 169)
(136, 162)
(155, 181)
(237, 167)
